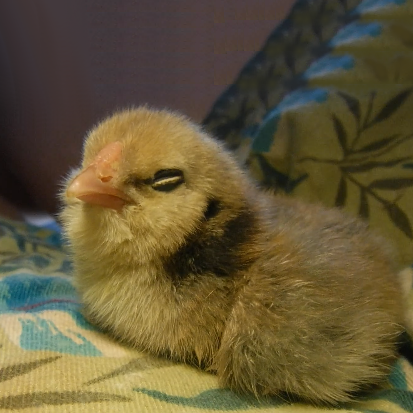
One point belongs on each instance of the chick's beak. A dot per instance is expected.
(94, 185)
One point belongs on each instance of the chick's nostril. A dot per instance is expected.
(105, 171)
(105, 178)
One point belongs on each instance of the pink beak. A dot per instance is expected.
(94, 184)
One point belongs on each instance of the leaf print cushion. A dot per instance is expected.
(323, 112)
(352, 151)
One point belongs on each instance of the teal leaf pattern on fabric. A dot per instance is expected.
(328, 65)
(43, 334)
(214, 399)
(277, 68)
(264, 137)
(397, 377)
(373, 5)
(356, 31)
(35, 303)
(31, 293)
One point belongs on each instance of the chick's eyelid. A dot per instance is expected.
(168, 173)
(162, 177)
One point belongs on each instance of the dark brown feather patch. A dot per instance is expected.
(216, 248)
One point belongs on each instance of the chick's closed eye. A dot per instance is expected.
(167, 180)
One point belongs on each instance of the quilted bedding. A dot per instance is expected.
(53, 360)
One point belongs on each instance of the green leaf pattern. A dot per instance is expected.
(355, 150)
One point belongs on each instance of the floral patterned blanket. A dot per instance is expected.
(53, 360)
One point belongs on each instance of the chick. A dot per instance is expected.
(176, 252)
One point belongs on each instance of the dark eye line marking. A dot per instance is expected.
(135, 181)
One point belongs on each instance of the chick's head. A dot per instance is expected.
(148, 180)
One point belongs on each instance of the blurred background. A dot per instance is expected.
(65, 64)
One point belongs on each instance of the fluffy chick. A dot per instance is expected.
(176, 252)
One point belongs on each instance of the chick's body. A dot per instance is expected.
(176, 252)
